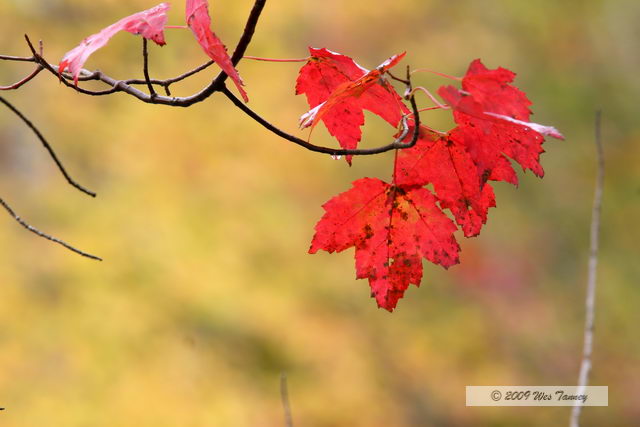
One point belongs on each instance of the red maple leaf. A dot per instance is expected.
(494, 115)
(149, 24)
(491, 118)
(338, 89)
(392, 228)
(443, 160)
(198, 19)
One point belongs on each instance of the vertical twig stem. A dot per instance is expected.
(590, 300)
(284, 397)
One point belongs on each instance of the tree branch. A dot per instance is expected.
(86, 75)
(47, 146)
(44, 235)
(590, 300)
(125, 86)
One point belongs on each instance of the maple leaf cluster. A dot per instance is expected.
(393, 226)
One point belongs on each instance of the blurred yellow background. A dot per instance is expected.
(204, 219)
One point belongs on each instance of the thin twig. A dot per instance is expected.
(397, 143)
(284, 397)
(47, 146)
(166, 83)
(397, 78)
(17, 84)
(590, 300)
(44, 235)
(17, 58)
(145, 68)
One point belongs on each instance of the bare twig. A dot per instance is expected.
(406, 82)
(17, 84)
(167, 82)
(145, 68)
(185, 75)
(44, 235)
(397, 143)
(17, 58)
(590, 300)
(284, 397)
(47, 146)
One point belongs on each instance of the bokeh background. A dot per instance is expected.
(207, 294)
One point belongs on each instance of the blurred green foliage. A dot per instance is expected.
(206, 293)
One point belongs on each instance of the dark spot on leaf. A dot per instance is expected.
(368, 231)
(400, 191)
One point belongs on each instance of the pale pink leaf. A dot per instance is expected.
(149, 24)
